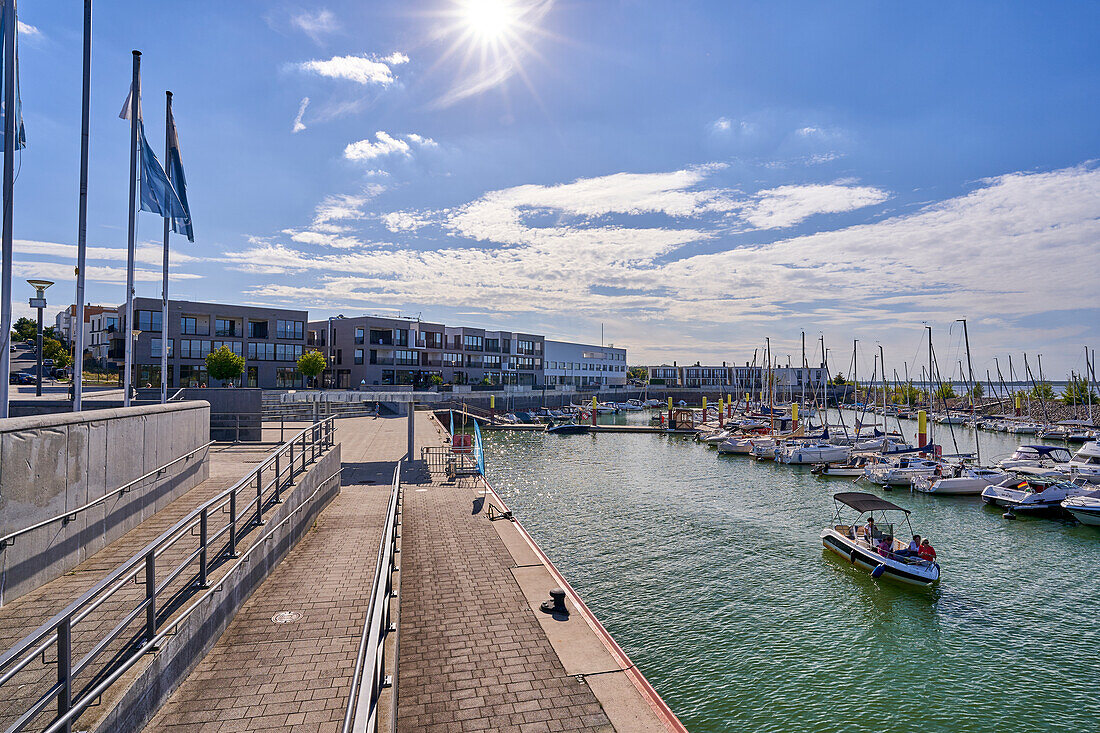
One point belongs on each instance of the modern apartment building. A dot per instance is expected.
(373, 351)
(584, 366)
(269, 339)
(788, 380)
(66, 318)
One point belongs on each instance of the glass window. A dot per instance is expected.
(234, 346)
(192, 376)
(225, 327)
(253, 376)
(472, 343)
(287, 378)
(358, 356)
(154, 347)
(257, 329)
(189, 325)
(288, 329)
(359, 335)
(148, 320)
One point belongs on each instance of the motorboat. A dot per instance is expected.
(803, 453)
(951, 419)
(715, 438)
(1085, 509)
(1024, 428)
(1033, 495)
(765, 448)
(1037, 456)
(853, 467)
(1086, 462)
(628, 406)
(738, 446)
(962, 481)
(569, 428)
(883, 444)
(899, 471)
(858, 543)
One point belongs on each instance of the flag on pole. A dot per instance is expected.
(180, 224)
(21, 134)
(156, 192)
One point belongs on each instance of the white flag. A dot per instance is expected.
(125, 113)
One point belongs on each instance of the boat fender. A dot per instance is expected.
(878, 571)
(1009, 515)
(852, 556)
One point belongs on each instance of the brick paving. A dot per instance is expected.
(296, 676)
(472, 655)
(228, 463)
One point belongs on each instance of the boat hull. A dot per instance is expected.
(923, 575)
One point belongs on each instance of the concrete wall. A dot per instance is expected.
(199, 632)
(232, 408)
(51, 464)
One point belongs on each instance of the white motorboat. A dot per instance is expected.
(883, 444)
(963, 481)
(1031, 495)
(1024, 428)
(1037, 456)
(803, 453)
(1085, 509)
(715, 438)
(765, 448)
(859, 543)
(951, 419)
(851, 468)
(1086, 462)
(899, 471)
(628, 406)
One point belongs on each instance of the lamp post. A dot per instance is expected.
(38, 302)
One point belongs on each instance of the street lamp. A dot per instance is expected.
(39, 303)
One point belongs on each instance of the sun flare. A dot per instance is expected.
(490, 20)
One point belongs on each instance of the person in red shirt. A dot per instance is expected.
(926, 551)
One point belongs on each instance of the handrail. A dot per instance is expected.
(9, 539)
(303, 448)
(361, 714)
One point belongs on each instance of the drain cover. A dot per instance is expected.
(286, 617)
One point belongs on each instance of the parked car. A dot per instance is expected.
(47, 362)
(22, 378)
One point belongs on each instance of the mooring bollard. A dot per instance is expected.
(556, 604)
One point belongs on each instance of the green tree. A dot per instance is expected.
(838, 380)
(54, 349)
(977, 391)
(435, 380)
(25, 328)
(224, 365)
(906, 393)
(945, 391)
(1078, 392)
(1042, 391)
(638, 372)
(312, 363)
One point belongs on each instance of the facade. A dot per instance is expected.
(788, 380)
(104, 337)
(373, 351)
(584, 366)
(66, 318)
(269, 339)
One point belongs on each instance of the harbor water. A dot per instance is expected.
(709, 571)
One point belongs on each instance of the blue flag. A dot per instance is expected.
(21, 135)
(180, 224)
(157, 194)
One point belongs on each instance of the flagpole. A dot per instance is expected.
(82, 216)
(164, 275)
(9, 176)
(135, 121)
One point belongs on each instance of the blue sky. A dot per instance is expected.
(693, 175)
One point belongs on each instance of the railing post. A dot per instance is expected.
(65, 669)
(150, 595)
(233, 523)
(291, 460)
(278, 477)
(259, 496)
(303, 451)
(203, 570)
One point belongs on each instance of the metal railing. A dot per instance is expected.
(370, 678)
(9, 539)
(138, 620)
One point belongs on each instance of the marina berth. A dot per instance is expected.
(1033, 495)
(872, 545)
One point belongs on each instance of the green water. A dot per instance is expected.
(709, 571)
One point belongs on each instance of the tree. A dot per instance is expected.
(906, 393)
(1042, 391)
(25, 328)
(435, 380)
(838, 380)
(977, 391)
(638, 372)
(945, 391)
(224, 365)
(312, 363)
(54, 349)
(1078, 392)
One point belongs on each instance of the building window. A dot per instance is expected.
(406, 358)
(452, 360)
(287, 378)
(148, 320)
(287, 352)
(253, 376)
(194, 348)
(358, 356)
(359, 335)
(379, 337)
(261, 352)
(387, 376)
(401, 337)
(288, 329)
(492, 345)
(472, 343)
(525, 347)
(257, 329)
(154, 347)
(149, 376)
(491, 362)
(189, 325)
(225, 327)
(192, 376)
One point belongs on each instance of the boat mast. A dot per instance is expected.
(970, 370)
(931, 403)
(802, 405)
(882, 360)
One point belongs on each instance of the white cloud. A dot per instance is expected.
(315, 25)
(404, 221)
(26, 29)
(809, 132)
(365, 69)
(722, 124)
(425, 142)
(786, 206)
(383, 145)
(298, 124)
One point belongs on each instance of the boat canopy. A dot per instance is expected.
(1044, 449)
(862, 502)
(1078, 423)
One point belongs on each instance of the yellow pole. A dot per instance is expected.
(593, 410)
(794, 416)
(922, 428)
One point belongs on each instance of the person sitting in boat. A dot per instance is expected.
(927, 552)
(869, 529)
(913, 550)
(884, 547)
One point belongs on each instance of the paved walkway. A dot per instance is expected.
(473, 655)
(296, 676)
(228, 463)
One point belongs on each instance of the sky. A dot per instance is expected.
(689, 177)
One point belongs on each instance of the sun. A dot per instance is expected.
(490, 20)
